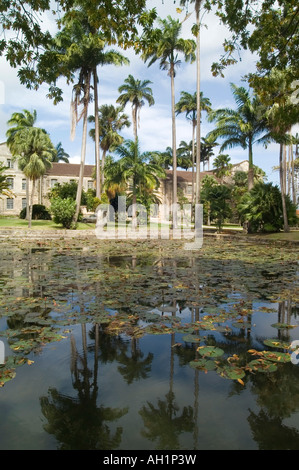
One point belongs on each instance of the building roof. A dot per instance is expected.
(70, 169)
(185, 176)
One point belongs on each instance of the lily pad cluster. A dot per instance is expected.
(153, 287)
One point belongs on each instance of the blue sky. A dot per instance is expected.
(155, 121)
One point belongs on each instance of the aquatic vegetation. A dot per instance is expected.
(150, 287)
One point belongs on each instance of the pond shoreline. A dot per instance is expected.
(64, 234)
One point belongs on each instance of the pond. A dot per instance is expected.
(144, 345)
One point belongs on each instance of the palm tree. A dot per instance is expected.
(241, 126)
(34, 150)
(222, 166)
(60, 155)
(111, 120)
(188, 104)
(18, 122)
(80, 50)
(281, 111)
(166, 49)
(135, 171)
(196, 31)
(135, 91)
(184, 153)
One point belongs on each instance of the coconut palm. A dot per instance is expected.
(136, 92)
(60, 155)
(18, 121)
(166, 48)
(34, 150)
(111, 120)
(80, 49)
(196, 31)
(184, 155)
(243, 126)
(188, 104)
(134, 170)
(222, 166)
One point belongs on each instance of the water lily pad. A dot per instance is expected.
(283, 325)
(231, 372)
(210, 351)
(191, 338)
(203, 364)
(259, 365)
(274, 343)
(277, 356)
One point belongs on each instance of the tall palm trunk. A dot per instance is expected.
(250, 166)
(31, 204)
(193, 160)
(97, 137)
(283, 186)
(197, 11)
(175, 189)
(292, 174)
(83, 146)
(134, 118)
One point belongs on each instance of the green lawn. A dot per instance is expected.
(14, 222)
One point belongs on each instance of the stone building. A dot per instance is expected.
(67, 172)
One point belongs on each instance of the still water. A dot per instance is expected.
(145, 346)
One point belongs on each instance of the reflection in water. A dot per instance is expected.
(144, 320)
(80, 422)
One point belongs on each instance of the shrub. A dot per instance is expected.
(262, 208)
(63, 211)
(39, 212)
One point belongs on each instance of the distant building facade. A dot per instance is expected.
(67, 172)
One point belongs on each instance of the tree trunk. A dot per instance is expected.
(174, 164)
(103, 164)
(293, 175)
(31, 204)
(282, 187)
(83, 148)
(193, 160)
(27, 199)
(134, 117)
(197, 194)
(97, 137)
(250, 167)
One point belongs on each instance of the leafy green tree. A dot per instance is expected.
(165, 46)
(63, 211)
(218, 198)
(136, 92)
(262, 208)
(268, 29)
(162, 159)
(184, 155)
(33, 149)
(243, 126)
(207, 183)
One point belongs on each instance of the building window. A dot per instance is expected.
(9, 163)
(24, 203)
(24, 184)
(10, 182)
(9, 204)
(53, 182)
(90, 184)
(189, 189)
